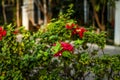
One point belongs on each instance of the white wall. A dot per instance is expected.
(117, 24)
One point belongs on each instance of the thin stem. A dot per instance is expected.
(103, 51)
(4, 13)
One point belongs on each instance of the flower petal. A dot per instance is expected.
(4, 33)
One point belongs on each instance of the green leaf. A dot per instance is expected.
(66, 54)
(38, 55)
(56, 48)
(53, 37)
(46, 54)
(26, 57)
(44, 58)
(97, 8)
(78, 42)
(2, 77)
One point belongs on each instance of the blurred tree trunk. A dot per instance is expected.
(18, 13)
(101, 24)
(3, 10)
(99, 8)
(45, 11)
(49, 10)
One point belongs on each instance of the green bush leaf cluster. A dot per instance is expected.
(32, 56)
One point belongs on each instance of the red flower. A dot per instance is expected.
(1, 33)
(70, 26)
(67, 46)
(58, 54)
(1, 28)
(76, 31)
(81, 32)
(4, 33)
(0, 37)
(16, 32)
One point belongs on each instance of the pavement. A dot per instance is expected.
(109, 49)
(112, 50)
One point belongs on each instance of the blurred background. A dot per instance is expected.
(33, 14)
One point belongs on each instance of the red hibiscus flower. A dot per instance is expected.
(81, 32)
(58, 54)
(70, 26)
(4, 33)
(1, 28)
(75, 31)
(1, 33)
(67, 46)
(0, 37)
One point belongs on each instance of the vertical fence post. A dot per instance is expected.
(25, 20)
(117, 23)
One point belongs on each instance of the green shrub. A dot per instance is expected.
(61, 52)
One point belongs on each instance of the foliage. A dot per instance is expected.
(19, 58)
(92, 37)
(106, 69)
(103, 2)
(56, 28)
